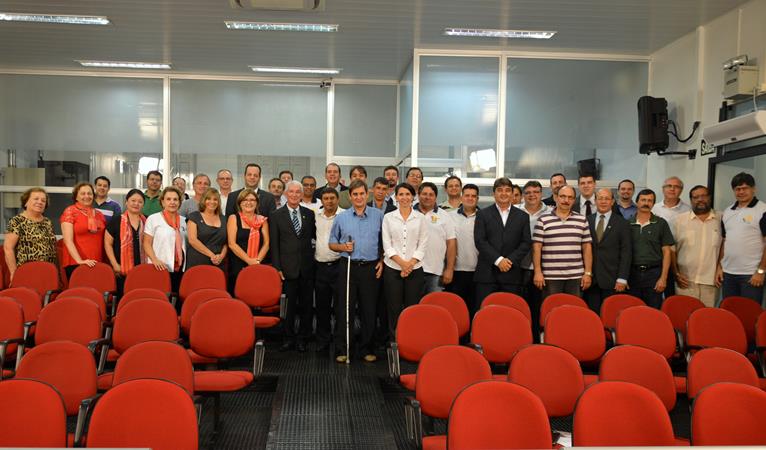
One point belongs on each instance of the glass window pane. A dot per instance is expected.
(365, 120)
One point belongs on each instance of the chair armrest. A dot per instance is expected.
(688, 351)
(680, 341)
(49, 295)
(413, 417)
(104, 343)
(82, 416)
(4, 347)
(113, 303)
(282, 307)
(28, 327)
(392, 354)
(173, 298)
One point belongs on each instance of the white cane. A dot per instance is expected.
(348, 333)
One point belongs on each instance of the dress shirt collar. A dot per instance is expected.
(752, 203)
(710, 216)
(461, 211)
(607, 215)
(364, 213)
(543, 209)
(500, 210)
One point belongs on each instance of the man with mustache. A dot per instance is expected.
(652, 242)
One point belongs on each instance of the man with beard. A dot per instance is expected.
(625, 204)
(652, 242)
(557, 180)
(698, 241)
(391, 173)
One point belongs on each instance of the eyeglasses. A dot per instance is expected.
(672, 186)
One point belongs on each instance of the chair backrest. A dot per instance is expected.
(678, 308)
(193, 301)
(577, 330)
(11, 323)
(508, 299)
(620, 414)
(556, 300)
(222, 328)
(100, 277)
(161, 360)
(67, 366)
(259, 286)
(144, 413)
(640, 366)
(746, 310)
(501, 331)
(715, 327)
(89, 294)
(41, 276)
(201, 277)
(144, 320)
(552, 373)
(141, 293)
(29, 299)
(35, 416)
(497, 414)
(454, 304)
(646, 327)
(614, 305)
(729, 414)
(411, 336)
(69, 319)
(714, 365)
(147, 276)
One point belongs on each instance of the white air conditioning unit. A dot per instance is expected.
(280, 5)
(738, 129)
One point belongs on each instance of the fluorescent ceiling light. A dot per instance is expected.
(54, 18)
(301, 70)
(269, 26)
(514, 34)
(124, 64)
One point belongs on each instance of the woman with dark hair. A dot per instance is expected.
(165, 236)
(248, 235)
(29, 236)
(123, 240)
(207, 232)
(83, 228)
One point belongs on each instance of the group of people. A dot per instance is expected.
(370, 250)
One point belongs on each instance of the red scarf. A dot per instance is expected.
(93, 225)
(179, 253)
(126, 242)
(254, 240)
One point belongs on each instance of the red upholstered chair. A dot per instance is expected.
(141, 293)
(728, 414)
(510, 300)
(714, 327)
(33, 415)
(500, 331)
(147, 276)
(260, 287)
(70, 319)
(746, 310)
(552, 373)
(579, 331)
(620, 414)
(41, 276)
(144, 413)
(201, 277)
(152, 359)
(87, 293)
(11, 333)
(192, 302)
(100, 277)
(455, 305)
(613, 306)
(678, 308)
(413, 341)
(714, 365)
(497, 414)
(442, 374)
(556, 300)
(67, 366)
(640, 366)
(31, 303)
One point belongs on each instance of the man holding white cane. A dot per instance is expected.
(356, 236)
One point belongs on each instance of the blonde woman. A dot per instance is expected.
(207, 232)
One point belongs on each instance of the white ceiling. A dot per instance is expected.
(375, 40)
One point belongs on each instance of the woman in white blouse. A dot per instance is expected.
(405, 234)
(165, 236)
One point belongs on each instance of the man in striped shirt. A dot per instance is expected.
(561, 248)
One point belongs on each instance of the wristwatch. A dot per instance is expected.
(588, 274)
(760, 271)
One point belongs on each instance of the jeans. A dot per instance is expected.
(739, 285)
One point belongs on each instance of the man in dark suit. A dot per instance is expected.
(612, 251)
(266, 202)
(291, 230)
(502, 237)
(332, 175)
(585, 203)
(556, 181)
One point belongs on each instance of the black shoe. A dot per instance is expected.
(323, 347)
(301, 347)
(287, 346)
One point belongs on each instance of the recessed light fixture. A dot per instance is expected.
(54, 18)
(124, 64)
(299, 70)
(270, 26)
(512, 34)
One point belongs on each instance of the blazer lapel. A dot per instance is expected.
(609, 226)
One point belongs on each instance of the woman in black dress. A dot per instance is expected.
(206, 232)
(248, 235)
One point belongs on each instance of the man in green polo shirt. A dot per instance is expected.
(652, 242)
(152, 195)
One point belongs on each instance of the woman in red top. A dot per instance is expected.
(83, 228)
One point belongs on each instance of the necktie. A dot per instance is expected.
(600, 228)
(587, 207)
(296, 222)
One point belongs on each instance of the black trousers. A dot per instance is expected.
(300, 298)
(462, 285)
(363, 294)
(595, 296)
(534, 298)
(326, 294)
(642, 283)
(400, 293)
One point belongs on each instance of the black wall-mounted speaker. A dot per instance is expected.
(652, 125)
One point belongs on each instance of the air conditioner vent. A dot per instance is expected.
(280, 5)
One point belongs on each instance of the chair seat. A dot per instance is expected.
(266, 321)
(196, 358)
(407, 381)
(500, 377)
(590, 379)
(270, 309)
(221, 380)
(438, 442)
(113, 355)
(7, 373)
(104, 381)
(680, 384)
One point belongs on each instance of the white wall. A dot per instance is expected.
(689, 75)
